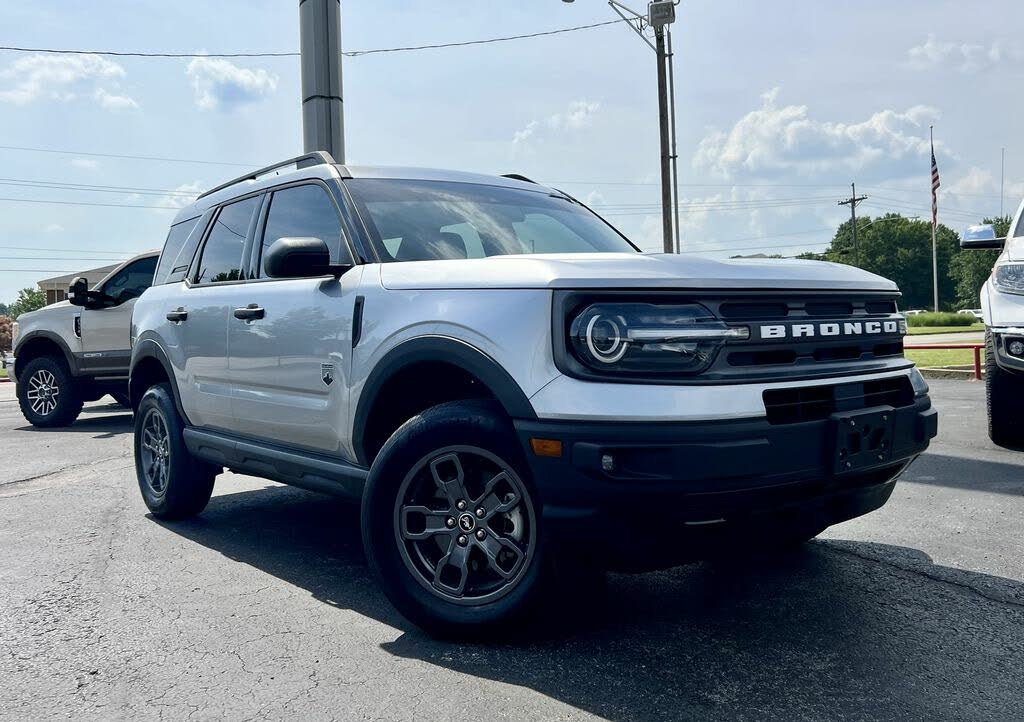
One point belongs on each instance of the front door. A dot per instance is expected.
(290, 360)
(106, 331)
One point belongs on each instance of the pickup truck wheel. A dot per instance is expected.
(1004, 392)
(46, 393)
(450, 524)
(174, 484)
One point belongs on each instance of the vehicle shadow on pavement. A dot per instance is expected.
(834, 629)
(104, 426)
(966, 473)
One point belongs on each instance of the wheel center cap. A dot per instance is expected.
(467, 523)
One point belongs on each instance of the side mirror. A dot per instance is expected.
(78, 292)
(981, 237)
(300, 258)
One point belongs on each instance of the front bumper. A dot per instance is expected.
(707, 477)
(1001, 338)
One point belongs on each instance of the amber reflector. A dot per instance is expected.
(546, 447)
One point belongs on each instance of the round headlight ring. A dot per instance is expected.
(605, 337)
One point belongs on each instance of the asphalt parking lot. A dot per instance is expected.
(263, 606)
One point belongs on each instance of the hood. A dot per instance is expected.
(628, 270)
(61, 307)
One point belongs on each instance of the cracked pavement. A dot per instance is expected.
(263, 607)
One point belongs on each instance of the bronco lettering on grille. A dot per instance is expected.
(845, 328)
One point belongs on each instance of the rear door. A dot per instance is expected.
(201, 312)
(105, 331)
(289, 365)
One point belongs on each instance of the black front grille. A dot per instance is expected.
(815, 403)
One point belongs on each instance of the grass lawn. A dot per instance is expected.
(918, 330)
(941, 357)
(3, 373)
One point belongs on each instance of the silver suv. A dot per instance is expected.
(505, 381)
(78, 350)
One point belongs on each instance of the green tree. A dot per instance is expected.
(900, 249)
(970, 269)
(29, 299)
(5, 310)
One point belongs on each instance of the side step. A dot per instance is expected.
(304, 469)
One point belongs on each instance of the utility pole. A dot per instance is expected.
(660, 15)
(852, 201)
(323, 126)
(1002, 175)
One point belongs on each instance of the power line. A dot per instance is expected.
(83, 203)
(68, 250)
(57, 185)
(48, 258)
(290, 54)
(128, 157)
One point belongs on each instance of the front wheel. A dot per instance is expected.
(1004, 393)
(450, 521)
(174, 484)
(46, 393)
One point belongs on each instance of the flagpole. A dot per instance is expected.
(935, 255)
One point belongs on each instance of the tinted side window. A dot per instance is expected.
(131, 281)
(222, 255)
(178, 251)
(305, 211)
(1020, 226)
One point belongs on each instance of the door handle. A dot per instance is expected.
(177, 316)
(250, 312)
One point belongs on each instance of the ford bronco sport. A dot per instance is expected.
(504, 380)
(77, 350)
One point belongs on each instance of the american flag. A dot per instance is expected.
(935, 187)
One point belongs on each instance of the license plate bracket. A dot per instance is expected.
(862, 439)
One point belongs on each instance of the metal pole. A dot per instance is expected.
(675, 155)
(323, 125)
(935, 253)
(853, 223)
(1002, 175)
(666, 172)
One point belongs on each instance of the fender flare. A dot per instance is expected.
(69, 357)
(442, 349)
(150, 348)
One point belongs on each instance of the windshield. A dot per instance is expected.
(432, 220)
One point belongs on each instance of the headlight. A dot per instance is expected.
(1009, 277)
(644, 338)
(15, 332)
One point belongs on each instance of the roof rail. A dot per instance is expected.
(317, 157)
(518, 177)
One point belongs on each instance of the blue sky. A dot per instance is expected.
(781, 105)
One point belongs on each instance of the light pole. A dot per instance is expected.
(660, 15)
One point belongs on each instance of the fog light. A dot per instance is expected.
(607, 462)
(1017, 347)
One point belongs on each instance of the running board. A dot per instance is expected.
(305, 469)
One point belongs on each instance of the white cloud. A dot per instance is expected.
(57, 77)
(784, 139)
(218, 82)
(54, 228)
(965, 57)
(979, 183)
(84, 163)
(578, 115)
(113, 101)
(182, 196)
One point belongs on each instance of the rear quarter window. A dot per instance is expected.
(179, 248)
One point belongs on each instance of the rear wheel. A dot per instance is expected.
(174, 484)
(46, 393)
(450, 522)
(1004, 392)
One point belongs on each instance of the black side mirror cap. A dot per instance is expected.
(78, 292)
(300, 258)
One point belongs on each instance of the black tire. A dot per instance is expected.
(47, 394)
(174, 484)
(1004, 392)
(122, 399)
(473, 445)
